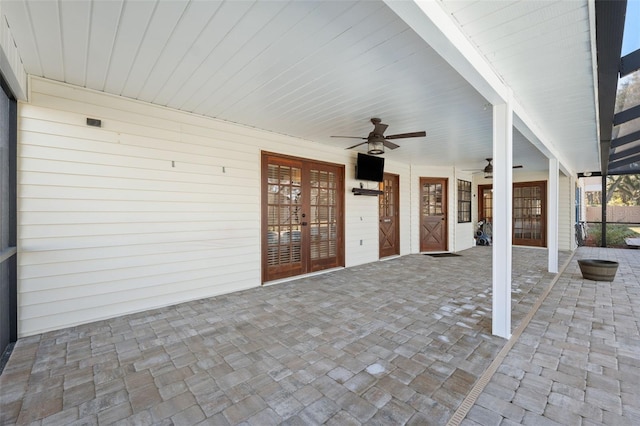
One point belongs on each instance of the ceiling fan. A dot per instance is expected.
(377, 141)
(488, 169)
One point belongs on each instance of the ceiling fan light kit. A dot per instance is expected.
(377, 141)
(376, 148)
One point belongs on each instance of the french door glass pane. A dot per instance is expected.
(323, 220)
(527, 213)
(283, 215)
(432, 199)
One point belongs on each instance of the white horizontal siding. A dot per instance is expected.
(83, 310)
(566, 213)
(154, 208)
(362, 225)
(361, 220)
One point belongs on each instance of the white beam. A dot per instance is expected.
(502, 218)
(553, 195)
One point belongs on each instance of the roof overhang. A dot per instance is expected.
(610, 17)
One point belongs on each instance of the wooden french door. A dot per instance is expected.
(529, 211)
(485, 203)
(530, 214)
(433, 214)
(302, 216)
(389, 205)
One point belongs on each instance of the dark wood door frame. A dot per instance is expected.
(484, 212)
(389, 214)
(301, 224)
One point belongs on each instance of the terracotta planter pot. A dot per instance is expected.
(597, 269)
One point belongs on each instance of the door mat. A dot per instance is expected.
(442, 255)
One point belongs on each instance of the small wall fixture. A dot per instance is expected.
(94, 122)
(370, 192)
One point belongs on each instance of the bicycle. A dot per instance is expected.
(581, 233)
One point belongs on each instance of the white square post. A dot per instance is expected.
(502, 217)
(552, 214)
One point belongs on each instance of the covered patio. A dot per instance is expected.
(165, 164)
(404, 341)
(148, 138)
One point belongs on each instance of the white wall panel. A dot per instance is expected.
(566, 213)
(154, 208)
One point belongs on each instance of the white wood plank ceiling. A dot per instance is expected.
(313, 69)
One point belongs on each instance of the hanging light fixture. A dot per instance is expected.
(488, 170)
(376, 147)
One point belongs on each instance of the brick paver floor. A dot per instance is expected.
(395, 342)
(578, 360)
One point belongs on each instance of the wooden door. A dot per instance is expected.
(529, 211)
(530, 214)
(433, 214)
(389, 211)
(302, 216)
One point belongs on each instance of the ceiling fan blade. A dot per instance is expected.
(407, 135)
(349, 137)
(390, 145)
(358, 144)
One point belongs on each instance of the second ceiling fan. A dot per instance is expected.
(377, 141)
(488, 169)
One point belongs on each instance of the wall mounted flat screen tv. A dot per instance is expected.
(369, 167)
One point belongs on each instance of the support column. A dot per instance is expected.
(502, 217)
(603, 238)
(553, 191)
(576, 209)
